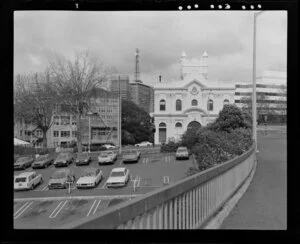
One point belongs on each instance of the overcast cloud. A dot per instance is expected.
(161, 38)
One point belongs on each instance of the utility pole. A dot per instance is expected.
(254, 115)
(120, 120)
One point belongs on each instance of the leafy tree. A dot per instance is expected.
(136, 124)
(34, 101)
(74, 81)
(230, 117)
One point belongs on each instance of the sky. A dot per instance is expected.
(227, 37)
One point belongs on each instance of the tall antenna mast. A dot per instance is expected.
(137, 65)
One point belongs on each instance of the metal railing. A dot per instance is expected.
(187, 204)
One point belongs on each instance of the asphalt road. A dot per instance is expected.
(264, 204)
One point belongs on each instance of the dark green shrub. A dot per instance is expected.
(170, 146)
(190, 137)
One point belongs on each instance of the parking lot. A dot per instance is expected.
(44, 208)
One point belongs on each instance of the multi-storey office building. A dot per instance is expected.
(121, 86)
(141, 95)
(102, 121)
(270, 94)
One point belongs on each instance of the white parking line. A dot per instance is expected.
(57, 209)
(45, 188)
(91, 208)
(95, 209)
(138, 181)
(104, 186)
(19, 213)
(23, 206)
(145, 160)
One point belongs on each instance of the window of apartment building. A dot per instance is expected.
(65, 133)
(65, 120)
(56, 120)
(55, 133)
(162, 105)
(74, 134)
(38, 133)
(178, 105)
(74, 121)
(21, 132)
(210, 105)
(194, 102)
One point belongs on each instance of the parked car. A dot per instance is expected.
(42, 161)
(16, 156)
(23, 162)
(109, 146)
(61, 179)
(64, 159)
(182, 153)
(83, 159)
(131, 155)
(118, 177)
(144, 144)
(107, 157)
(91, 177)
(27, 181)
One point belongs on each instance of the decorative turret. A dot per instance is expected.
(182, 59)
(205, 64)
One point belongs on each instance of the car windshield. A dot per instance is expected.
(59, 175)
(130, 152)
(82, 156)
(117, 173)
(42, 157)
(104, 154)
(89, 173)
(181, 150)
(62, 156)
(23, 159)
(20, 179)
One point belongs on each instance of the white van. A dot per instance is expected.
(27, 180)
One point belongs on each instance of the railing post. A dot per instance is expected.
(193, 209)
(166, 220)
(160, 217)
(175, 213)
(141, 221)
(148, 220)
(154, 218)
(197, 206)
(184, 212)
(180, 211)
(171, 214)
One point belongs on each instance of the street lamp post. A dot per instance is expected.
(120, 120)
(89, 115)
(254, 115)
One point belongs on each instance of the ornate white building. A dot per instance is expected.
(191, 101)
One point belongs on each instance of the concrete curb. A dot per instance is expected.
(217, 220)
(75, 197)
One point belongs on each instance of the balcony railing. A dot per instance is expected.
(187, 204)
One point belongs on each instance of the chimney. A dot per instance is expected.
(159, 78)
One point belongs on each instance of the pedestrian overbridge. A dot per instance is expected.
(188, 204)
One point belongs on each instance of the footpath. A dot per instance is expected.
(264, 204)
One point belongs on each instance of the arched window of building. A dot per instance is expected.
(162, 129)
(194, 102)
(225, 102)
(178, 105)
(210, 105)
(162, 105)
(178, 125)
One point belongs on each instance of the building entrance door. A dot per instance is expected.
(193, 125)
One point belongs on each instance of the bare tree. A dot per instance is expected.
(34, 101)
(73, 81)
